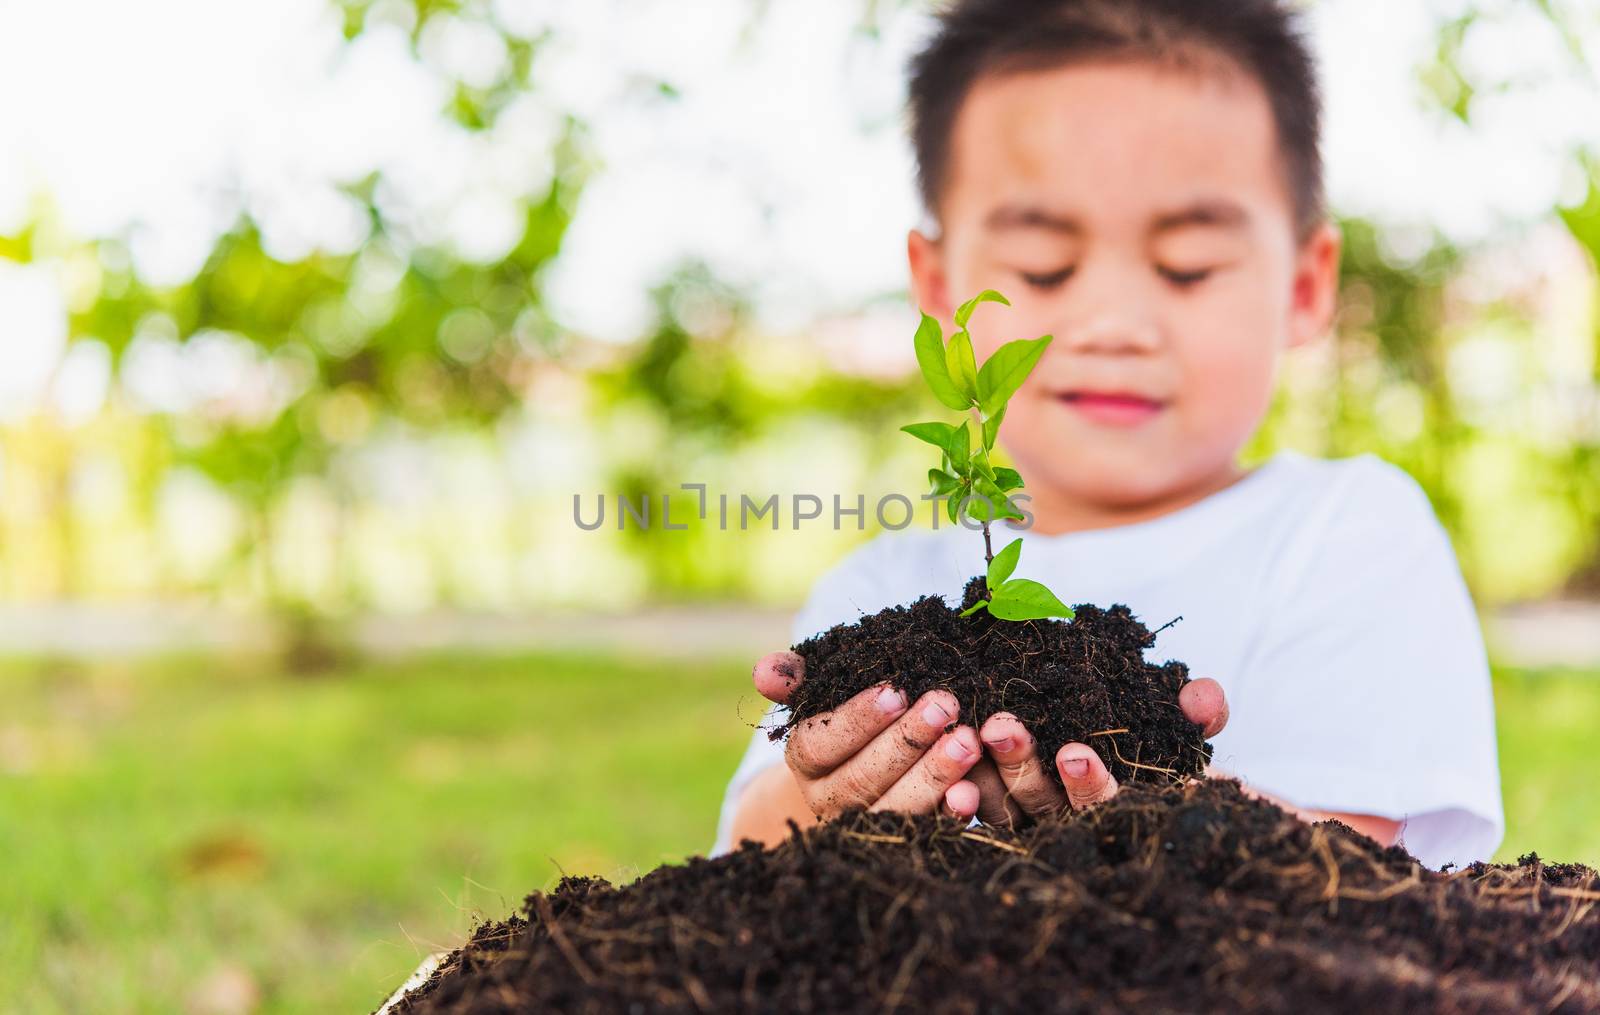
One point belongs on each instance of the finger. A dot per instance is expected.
(1016, 758)
(961, 800)
(821, 743)
(994, 804)
(864, 776)
(1205, 705)
(922, 788)
(777, 674)
(1085, 776)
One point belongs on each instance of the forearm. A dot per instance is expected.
(1383, 831)
(767, 805)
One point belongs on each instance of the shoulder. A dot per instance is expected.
(1353, 517)
(1363, 499)
(1344, 485)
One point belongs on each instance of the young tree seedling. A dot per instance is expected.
(965, 479)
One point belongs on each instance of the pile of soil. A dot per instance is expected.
(1080, 681)
(1184, 897)
(1180, 894)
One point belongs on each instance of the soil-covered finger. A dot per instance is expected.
(822, 743)
(1016, 758)
(995, 806)
(961, 800)
(869, 772)
(921, 789)
(777, 674)
(1084, 776)
(1205, 705)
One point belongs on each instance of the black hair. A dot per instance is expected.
(975, 38)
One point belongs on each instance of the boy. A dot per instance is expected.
(1141, 178)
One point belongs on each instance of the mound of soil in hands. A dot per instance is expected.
(1183, 897)
(1080, 681)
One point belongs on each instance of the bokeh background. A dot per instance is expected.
(316, 314)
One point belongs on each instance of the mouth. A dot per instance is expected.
(1112, 408)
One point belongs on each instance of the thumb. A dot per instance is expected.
(1085, 776)
(1205, 705)
(961, 799)
(777, 674)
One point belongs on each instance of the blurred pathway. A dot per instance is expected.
(90, 631)
(1545, 634)
(1533, 635)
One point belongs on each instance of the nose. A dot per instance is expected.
(1110, 331)
(1109, 310)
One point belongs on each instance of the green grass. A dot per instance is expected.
(1548, 722)
(162, 823)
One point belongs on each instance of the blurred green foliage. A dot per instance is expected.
(401, 337)
(698, 372)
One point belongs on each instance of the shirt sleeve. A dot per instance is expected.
(1369, 690)
(838, 597)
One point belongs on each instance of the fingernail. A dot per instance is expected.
(1075, 768)
(1002, 745)
(934, 715)
(958, 749)
(891, 701)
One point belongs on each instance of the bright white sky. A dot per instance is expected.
(782, 165)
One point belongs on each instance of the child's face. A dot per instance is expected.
(1140, 215)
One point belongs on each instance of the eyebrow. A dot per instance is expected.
(1220, 213)
(1015, 216)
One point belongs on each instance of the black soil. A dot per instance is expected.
(1080, 681)
(1184, 897)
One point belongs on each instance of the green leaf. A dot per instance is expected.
(991, 427)
(997, 497)
(981, 466)
(963, 369)
(942, 482)
(1007, 479)
(1003, 564)
(1004, 372)
(964, 311)
(981, 506)
(1021, 599)
(937, 434)
(953, 505)
(975, 607)
(931, 358)
(959, 446)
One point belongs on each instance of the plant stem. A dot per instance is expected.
(988, 550)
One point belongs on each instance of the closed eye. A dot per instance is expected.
(1048, 280)
(1183, 279)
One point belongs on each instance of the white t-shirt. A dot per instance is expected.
(1322, 595)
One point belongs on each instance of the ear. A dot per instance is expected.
(929, 286)
(1315, 289)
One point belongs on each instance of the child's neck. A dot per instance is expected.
(1056, 511)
